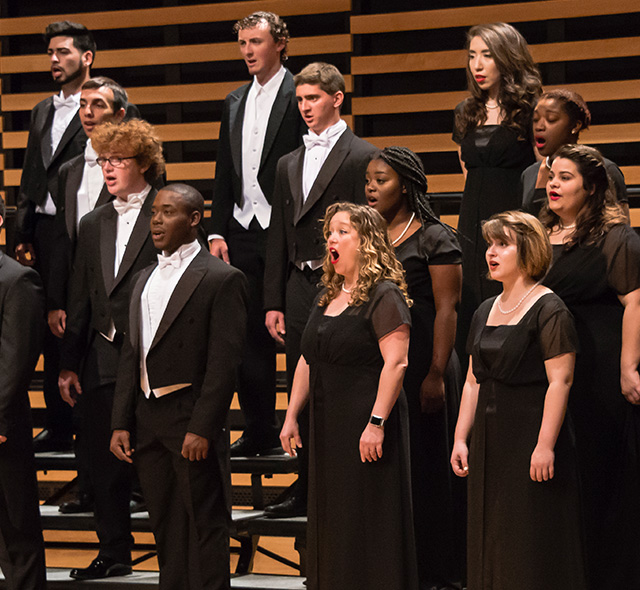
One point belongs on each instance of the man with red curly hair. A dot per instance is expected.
(114, 243)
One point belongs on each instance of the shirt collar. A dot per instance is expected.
(272, 86)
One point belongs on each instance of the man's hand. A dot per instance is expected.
(57, 320)
(194, 447)
(219, 249)
(121, 445)
(69, 385)
(275, 324)
(25, 254)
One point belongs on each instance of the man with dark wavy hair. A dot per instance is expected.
(55, 136)
(260, 123)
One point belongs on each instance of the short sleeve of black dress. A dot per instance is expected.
(556, 329)
(621, 248)
(457, 136)
(387, 309)
(439, 245)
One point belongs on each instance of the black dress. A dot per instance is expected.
(523, 535)
(589, 281)
(439, 496)
(360, 532)
(494, 157)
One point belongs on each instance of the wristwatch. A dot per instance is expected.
(377, 421)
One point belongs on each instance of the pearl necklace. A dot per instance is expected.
(405, 230)
(492, 107)
(508, 311)
(348, 291)
(562, 226)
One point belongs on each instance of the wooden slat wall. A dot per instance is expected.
(404, 71)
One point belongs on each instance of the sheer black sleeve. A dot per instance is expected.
(389, 309)
(621, 248)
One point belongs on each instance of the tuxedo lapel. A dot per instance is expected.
(278, 111)
(294, 174)
(44, 123)
(74, 179)
(140, 233)
(236, 118)
(107, 243)
(182, 293)
(329, 168)
(104, 197)
(72, 128)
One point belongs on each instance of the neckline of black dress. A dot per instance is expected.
(520, 320)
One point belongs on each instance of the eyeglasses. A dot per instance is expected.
(115, 161)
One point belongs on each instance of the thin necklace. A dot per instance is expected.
(572, 226)
(348, 291)
(508, 311)
(404, 231)
(492, 107)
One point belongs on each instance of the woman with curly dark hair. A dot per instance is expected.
(493, 130)
(596, 272)
(558, 119)
(354, 356)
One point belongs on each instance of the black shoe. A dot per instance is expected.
(46, 441)
(137, 505)
(292, 506)
(101, 567)
(83, 503)
(246, 447)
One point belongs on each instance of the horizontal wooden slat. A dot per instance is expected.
(147, 94)
(472, 15)
(177, 54)
(174, 15)
(438, 183)
(435, 142)
(447, 60)
(444, 101)
(620, 133)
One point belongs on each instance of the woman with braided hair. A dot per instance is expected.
(430, 255)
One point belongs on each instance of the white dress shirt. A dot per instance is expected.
(126, 222)
(153, 304)
(128, 212)
(65, 110)
(260, 100)
(317, 149)
(90, 185)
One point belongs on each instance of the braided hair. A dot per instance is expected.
(409, 168)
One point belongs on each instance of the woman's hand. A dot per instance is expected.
(542, 460)
(630, 384)
(460, 458)
(432, 396)
(371, 443)
(290, 431)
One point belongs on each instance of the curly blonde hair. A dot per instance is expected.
(134, 136)
(378, 261)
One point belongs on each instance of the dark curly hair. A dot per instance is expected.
(520, 83)
(277, 28)
(600, 211)
(378, 261)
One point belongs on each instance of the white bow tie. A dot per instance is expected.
(58, 102)
(173, 260)
(122, 207)
(311, 141)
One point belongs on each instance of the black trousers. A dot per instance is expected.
(110, 478)
(58, 416)
(302, 289)
(21, 545)
(257, 372)
(189, 513)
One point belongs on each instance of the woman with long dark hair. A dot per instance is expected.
(493, 130)
(596, 272)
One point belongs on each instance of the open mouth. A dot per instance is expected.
(372, 201)
(553, 195)
(334, 255)
(540, 142)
